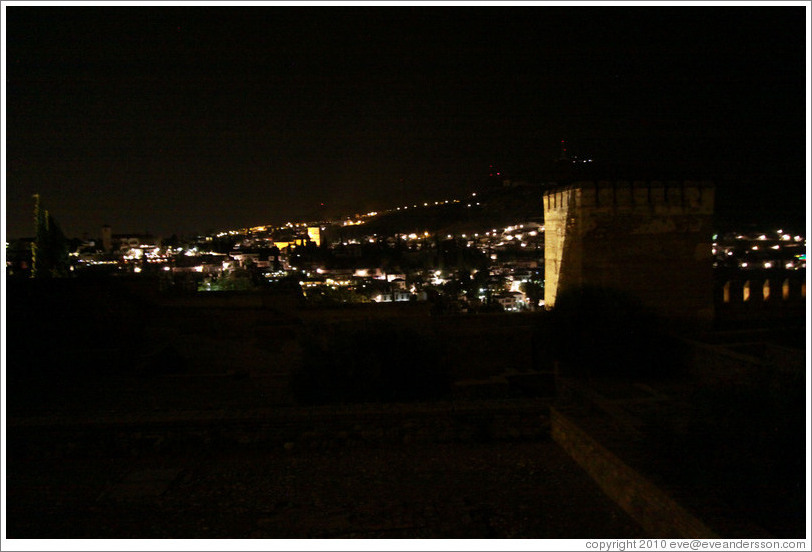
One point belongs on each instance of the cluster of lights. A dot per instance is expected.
(784, 240)
(356, 221)
(94, 262)
(509, 236)
(426, 204)
(762, 237)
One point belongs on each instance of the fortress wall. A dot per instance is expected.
(562, 244)
(651, 239)
(652, 507)
(760, 294)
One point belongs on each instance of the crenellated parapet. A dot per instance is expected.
(768, 294)
(663, 197)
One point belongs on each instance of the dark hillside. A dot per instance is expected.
(493, 208)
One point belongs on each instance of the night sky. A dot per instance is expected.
(190, 119)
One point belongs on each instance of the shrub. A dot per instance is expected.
(597, 331)
(375, 363)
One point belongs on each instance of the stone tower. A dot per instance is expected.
(107, 238)
(648, 239)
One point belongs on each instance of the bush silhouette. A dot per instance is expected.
(597, 331)
(375, 363)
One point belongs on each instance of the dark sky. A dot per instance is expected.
(184, 119)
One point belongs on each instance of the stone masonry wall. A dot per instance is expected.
(650, 239)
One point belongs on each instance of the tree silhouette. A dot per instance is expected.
(49, 251)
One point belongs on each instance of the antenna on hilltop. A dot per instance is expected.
(564, 155)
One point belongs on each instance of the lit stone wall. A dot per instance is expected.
(650, 239)
(562, 243)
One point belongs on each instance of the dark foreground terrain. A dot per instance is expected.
(114, 399)
(476, 490)
(136, 417)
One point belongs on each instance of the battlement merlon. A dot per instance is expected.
(665, 197)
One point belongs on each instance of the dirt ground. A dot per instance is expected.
(458, 490)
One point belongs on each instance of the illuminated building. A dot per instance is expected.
(394, 297)
(510, 301)
(125, 242)
(314, 234)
